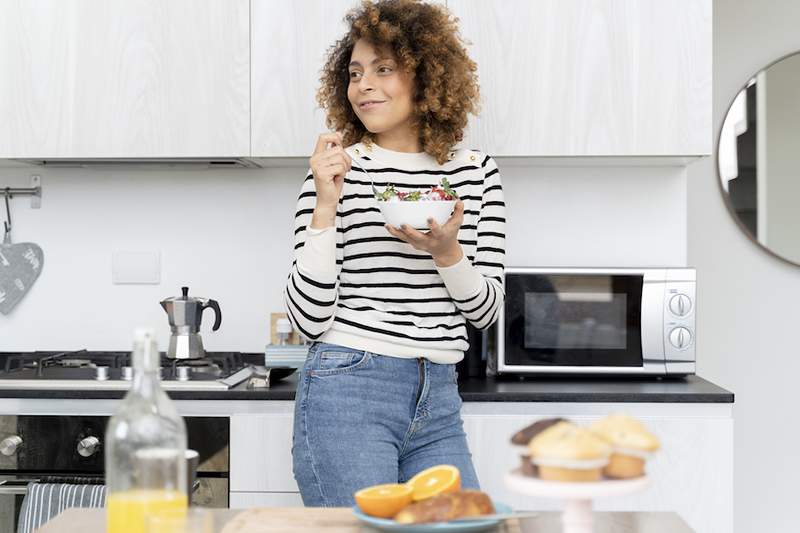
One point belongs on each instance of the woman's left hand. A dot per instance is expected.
(441, 241)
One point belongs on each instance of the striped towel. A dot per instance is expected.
(46, 500)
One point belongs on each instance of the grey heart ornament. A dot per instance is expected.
(20, 266)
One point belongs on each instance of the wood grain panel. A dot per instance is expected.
(124, 78)
(261, 453)
(692, 474)
(590, 77)
(290, 42)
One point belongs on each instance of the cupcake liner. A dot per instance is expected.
(572, 464)
(521, 449)
(633, 452)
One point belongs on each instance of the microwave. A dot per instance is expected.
(590, 321)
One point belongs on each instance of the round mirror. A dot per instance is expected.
(758, 158)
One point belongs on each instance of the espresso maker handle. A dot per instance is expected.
(213, 304)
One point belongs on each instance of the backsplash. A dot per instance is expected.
(227, 235)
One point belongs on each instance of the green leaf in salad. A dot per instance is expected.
(448, 189)
(389, 192)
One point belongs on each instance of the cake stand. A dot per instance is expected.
(577, 515)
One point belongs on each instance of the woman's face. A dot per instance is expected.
(380, 93)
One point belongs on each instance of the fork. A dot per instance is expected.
(371, 182)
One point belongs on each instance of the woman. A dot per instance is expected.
(387, 308)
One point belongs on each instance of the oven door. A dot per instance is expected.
(573, 321)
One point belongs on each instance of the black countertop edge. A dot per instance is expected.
(692, 389)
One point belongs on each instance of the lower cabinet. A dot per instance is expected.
(692, 474)
(261, 452)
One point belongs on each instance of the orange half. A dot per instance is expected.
(435, 480)
(383, 501)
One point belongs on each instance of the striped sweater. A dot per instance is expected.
(356, 285)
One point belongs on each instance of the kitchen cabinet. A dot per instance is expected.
(290, 39)
(261, 452)
(576, 78)
(286, 118)
(121, 78)
(590, 78)
(692, 474)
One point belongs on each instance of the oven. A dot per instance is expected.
(69, 449)
(623, 321)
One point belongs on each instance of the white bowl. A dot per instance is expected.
(416, 214)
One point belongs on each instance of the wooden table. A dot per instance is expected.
(342, 520)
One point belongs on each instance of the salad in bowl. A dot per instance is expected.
(416, 207)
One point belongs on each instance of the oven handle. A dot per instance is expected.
(17, 486)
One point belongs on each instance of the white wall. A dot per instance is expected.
(748, 312)
(227, 235)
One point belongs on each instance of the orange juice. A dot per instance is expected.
(127, 510)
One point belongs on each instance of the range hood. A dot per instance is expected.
(159, 163)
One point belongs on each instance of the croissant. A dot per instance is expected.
(445, 507)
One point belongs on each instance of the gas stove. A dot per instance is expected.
(92, 370)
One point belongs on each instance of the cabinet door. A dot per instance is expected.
(689, 445)
(290, 41)
(124, 78)
(590, 77)
(261, 453)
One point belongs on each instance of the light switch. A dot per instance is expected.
(138, 268)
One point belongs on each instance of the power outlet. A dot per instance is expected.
(294, 338)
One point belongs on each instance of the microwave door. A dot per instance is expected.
(562, 320)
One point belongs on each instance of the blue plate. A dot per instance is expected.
(466, 526)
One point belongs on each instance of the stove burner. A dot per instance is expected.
(113, 371)
(182, 373)
(184, 368)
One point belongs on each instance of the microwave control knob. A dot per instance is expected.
(10, 445)
(88, 446)
(680, 305)
(680, 338)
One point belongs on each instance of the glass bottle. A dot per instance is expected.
(145, 448)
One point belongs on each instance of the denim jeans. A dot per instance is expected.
(364, 419)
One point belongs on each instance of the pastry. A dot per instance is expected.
(631, 445)
(446, 506)
(566, 452)
(521, 438)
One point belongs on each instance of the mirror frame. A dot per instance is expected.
(725, 197)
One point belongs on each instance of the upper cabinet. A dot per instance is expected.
(238, 78)
(590, 77)
(124, 78)
(290, 42)
(291, 39)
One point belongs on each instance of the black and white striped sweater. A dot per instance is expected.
(356, 285)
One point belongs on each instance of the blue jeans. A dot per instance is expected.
(364, 419)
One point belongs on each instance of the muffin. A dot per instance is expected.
(523, 437)
(631, 445)
(566, 452)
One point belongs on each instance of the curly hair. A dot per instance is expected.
(426, 42)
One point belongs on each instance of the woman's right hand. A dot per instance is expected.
(329, 164)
